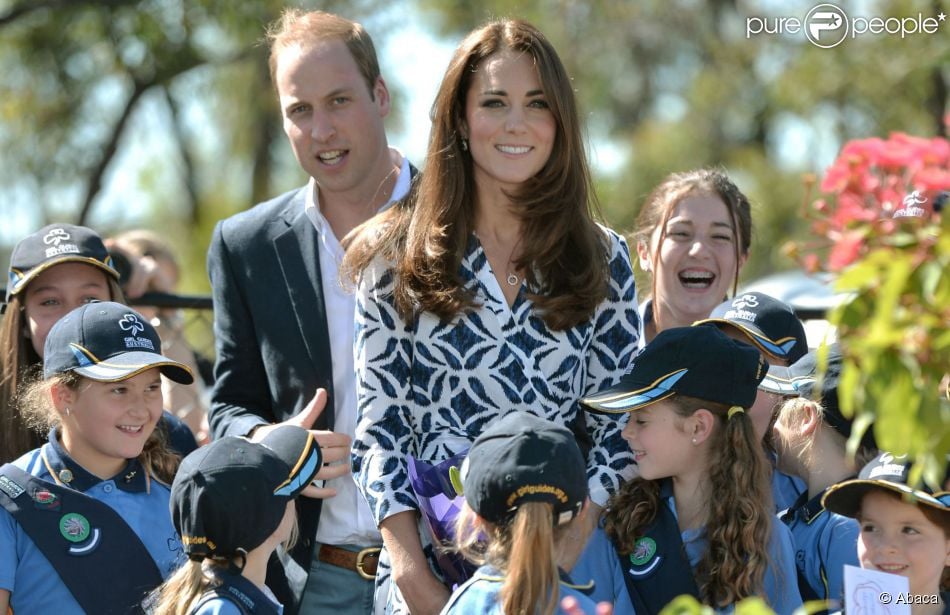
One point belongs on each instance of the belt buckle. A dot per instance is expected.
(369, 552)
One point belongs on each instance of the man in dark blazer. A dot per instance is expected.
(283, 323)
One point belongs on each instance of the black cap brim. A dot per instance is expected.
(845, 498)
(778, 349)
(30, 275)
(630, 397)
(133, 363)
(300, 451)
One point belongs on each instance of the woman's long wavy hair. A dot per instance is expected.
(19, 365)
(739, 513)
(661, 202)
(525, 550)
(564, 254)
(37, 409)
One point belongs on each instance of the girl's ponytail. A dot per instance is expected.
(740, 512)
(177, 594)
(531, 582)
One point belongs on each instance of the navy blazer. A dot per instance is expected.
(272, 342)
(273, 348)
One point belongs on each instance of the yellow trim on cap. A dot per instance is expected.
(24, 281)
(304, 455)
(615, 396)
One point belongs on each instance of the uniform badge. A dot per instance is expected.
(643, 559)
(76, 529)
(643, 551)
(45, 500)
(10, 487)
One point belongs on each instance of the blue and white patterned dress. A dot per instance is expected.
(428, 389)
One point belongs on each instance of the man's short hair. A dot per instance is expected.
(299, 28)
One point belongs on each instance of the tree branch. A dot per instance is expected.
(191, 185)
(95, 177)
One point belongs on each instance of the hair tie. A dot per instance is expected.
(734, 411)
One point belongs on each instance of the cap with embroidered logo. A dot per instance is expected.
(51, 245)
(698, 361)
(771, 325)
(232, 494)
(886, 471)
(108, 342)
(524, 458)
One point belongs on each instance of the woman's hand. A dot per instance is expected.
(423, 592)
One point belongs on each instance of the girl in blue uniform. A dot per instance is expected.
(525, 487)
(91, 503)
(905, 530)
(811, 436)
(698, 520)
(232, 501)
(52, 271)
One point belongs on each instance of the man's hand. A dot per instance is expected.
(335, 447)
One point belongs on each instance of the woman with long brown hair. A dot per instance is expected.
(693, 235)
(490, 290)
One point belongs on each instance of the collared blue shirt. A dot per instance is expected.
(824, 542)
(786, 489)
(139, 499)
(240, 589)
(599, 562)
(480, 594)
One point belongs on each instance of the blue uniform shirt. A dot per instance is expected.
(599, 562)
(786, 489)
(824, 542)
(480, 594)
(239, 589)
(138, 498)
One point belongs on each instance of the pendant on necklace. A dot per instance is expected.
(512, 279)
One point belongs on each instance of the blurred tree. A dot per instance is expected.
(674, 83)
(81, 77)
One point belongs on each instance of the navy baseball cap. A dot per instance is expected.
(232, 494)
(524, 458)
(107, 341)
(886, 471)
(771, 325)
(51, 245)
(801, 379)
(699, 361)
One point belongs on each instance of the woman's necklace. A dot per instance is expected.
(512, 278)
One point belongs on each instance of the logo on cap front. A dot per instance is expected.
(133, 325)
(54, 238)
(745, 301)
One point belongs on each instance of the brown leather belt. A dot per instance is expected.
(362, 562)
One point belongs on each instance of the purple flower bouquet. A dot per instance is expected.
(437, 489)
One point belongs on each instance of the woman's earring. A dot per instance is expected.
(464, 145)
(67, 410)
(694, 440)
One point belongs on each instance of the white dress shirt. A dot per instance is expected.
(345, 519)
